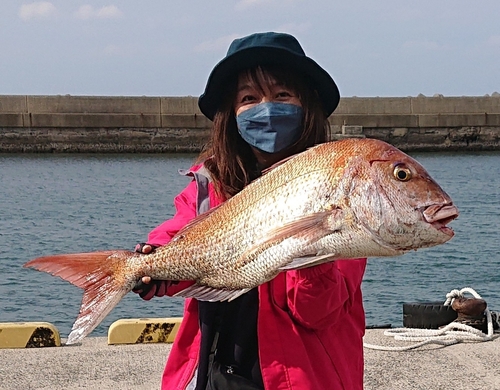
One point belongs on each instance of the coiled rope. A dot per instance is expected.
(453, 333)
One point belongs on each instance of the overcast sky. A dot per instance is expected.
(168, 47)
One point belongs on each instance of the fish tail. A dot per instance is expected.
(102, 276)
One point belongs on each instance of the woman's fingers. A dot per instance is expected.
(162, 288)
(147, 294)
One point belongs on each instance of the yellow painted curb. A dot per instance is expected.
(28, 335)
(143, 330)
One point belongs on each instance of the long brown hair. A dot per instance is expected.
(228, 158)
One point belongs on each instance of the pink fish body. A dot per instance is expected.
(347, 199)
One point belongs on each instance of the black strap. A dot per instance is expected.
(217, 325)
(210, 315)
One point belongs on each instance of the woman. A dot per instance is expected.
(304, 328)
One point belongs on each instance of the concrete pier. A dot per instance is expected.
(96, 365)
(175, 124)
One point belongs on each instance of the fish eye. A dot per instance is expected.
(402, 172)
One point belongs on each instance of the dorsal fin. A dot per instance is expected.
(277, 164)
(196, 220)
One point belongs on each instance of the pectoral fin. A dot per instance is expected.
(307, 261)
(308, 229)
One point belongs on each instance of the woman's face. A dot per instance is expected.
(249, 95)
(269, 90)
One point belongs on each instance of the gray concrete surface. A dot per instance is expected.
(465, 366)
(95, 365)
(169, 124)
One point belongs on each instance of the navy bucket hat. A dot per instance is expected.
(267, 48)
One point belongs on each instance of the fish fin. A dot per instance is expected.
(277, 164)
(194, 221)
(206, 293)
(100, 274)
(281, 162)
(307, 261)
(324, 221)
(310, 227)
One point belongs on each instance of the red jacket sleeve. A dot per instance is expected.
(319, 296)
(185, 205)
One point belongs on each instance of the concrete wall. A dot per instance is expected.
(423, 123)
(157, 124)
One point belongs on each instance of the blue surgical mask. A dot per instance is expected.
(271, 127)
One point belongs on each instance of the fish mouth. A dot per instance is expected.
(439, 215)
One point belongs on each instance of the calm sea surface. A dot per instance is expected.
(75, 203)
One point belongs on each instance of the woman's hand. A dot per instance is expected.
(145, 249)
(148, 288)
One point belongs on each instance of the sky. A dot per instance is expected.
(168, 47)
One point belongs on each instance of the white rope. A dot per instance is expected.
(452, 333)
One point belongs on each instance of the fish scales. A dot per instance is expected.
(289, 191)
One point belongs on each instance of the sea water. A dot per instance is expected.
(56, 203)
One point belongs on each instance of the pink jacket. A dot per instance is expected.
(310, 324)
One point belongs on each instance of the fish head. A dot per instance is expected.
(396, 200)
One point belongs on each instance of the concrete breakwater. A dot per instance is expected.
(175, 124)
